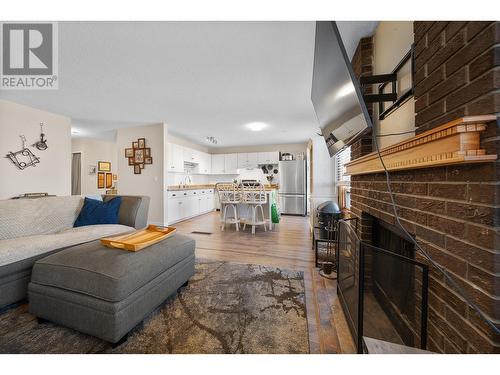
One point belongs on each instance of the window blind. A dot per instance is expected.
(343, 158)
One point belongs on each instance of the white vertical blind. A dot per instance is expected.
(343, 158)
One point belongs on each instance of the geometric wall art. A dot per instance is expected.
(138, 155)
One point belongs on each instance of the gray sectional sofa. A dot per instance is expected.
(32, 229)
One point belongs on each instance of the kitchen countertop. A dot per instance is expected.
(209, 186)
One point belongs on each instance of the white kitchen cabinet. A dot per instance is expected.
(184, 204)
(263, 158)
(210, 198)
(218, 164)
(205, 164)
(252, 159)
(230, 163)
(242, 160)
(175, 158)
(248, 160)
(175, 208)
(191, 156)
(268, 157)
(274, 157)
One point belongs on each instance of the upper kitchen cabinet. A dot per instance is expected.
(242, 160)
(191, 156)
(230, 163)
(205, 164)
(175, 158)
(248, 160)
(268, 157)
(218, 164)
(253, 159)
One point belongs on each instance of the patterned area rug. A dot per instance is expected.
(226, 308)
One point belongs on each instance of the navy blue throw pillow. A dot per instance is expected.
(96, 212)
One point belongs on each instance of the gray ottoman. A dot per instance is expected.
(106, 292)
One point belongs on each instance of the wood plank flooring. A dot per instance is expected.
(287, 246)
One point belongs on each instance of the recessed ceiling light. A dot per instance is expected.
(345, 90)
(256, 126)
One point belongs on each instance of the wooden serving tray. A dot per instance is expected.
(140, 239)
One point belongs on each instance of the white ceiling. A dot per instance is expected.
(202, 78)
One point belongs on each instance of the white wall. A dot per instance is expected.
(392, 40)
(152, 180)
(53, 174)
(184, 142)
(322, 171)
(92, 151)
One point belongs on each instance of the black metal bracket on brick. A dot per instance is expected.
(384, 79)
(391, 78)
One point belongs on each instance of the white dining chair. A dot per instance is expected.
(229, 197)
(255, 197)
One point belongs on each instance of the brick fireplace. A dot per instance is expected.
(452, 211)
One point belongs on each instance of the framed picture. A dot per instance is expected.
(92, 169)
(148, 160)
(135, 144)
(139, 155)
(100, 180)
(141, 165)
(115, 177)
(142, 142)
(137, 169)
(131, 161)
(109, 180)
(104, 166)
(129, 152)
(147, 151)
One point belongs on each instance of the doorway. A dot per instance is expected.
(76, 173)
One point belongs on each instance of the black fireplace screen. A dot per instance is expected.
(382, 289)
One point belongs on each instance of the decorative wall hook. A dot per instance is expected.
(42, 143)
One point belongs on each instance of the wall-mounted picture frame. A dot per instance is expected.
(101, 180)
(147, 152)
(131, 161)
(135, 144)
(148, 160)
(104, 166)
(129, 152)
(109, 180)
(137, 169)
(141, 142)
(92, 169)
(115, 177)
(139, 155)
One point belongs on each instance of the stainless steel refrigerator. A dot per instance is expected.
(292, 193)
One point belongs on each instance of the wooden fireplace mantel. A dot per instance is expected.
(456, 142)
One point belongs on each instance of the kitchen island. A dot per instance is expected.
(188, 201)
(244, 210)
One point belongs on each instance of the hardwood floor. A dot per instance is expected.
(287, 246)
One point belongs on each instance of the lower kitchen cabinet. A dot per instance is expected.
(184, 204)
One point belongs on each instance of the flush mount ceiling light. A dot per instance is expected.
(74, 131)
(256, 126)
(211, 140)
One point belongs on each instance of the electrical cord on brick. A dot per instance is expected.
(453, 283)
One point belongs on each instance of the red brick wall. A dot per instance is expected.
(362, 62)
(453, 211)
(456, 71)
